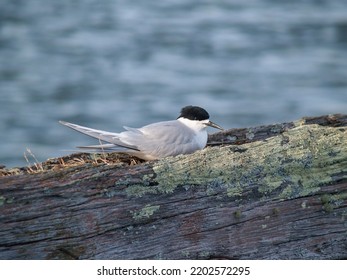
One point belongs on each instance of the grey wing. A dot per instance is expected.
(166, 139)
(110, 137)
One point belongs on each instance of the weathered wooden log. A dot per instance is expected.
(270, 192)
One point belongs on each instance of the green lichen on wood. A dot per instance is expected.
(331, 201)
(238, 214)
(234, 191)
(2, 200)
(309, 157)
(140, 190)
(5, 200)
(145, 212)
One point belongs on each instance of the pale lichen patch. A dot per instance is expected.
(330, 202)
(145, 212)
(234, 191)
(5, 200)
(2, 200)
(139, 190)
(296, 166)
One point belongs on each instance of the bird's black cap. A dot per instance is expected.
(194, 113)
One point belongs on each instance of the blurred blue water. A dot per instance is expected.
(110, 63)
